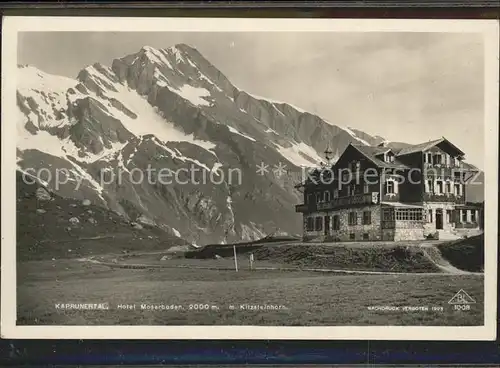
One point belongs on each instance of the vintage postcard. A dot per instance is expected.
(150, 191)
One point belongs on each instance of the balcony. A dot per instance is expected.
(303, 208)
(350, 201)
(445, 171)
(435, 197)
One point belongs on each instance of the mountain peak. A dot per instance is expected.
(148, 49)
(183, 47)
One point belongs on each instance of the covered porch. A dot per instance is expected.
(402, 221)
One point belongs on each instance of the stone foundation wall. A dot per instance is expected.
(388, 234)
(403, 230)
(313, 234)
(409, 234)
(373, 230)
(409, 230)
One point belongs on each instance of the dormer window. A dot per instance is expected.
(388, 156)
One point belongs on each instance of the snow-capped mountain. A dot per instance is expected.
(171, 108)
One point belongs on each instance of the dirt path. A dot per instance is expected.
(433, 254)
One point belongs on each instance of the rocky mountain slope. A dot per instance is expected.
(171, 108)
(52, 227)
(164, 136)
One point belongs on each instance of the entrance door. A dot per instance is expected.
(439, 219)
(327, 225)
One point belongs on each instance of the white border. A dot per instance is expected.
(13, 25)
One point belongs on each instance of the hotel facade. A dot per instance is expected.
(388, 194)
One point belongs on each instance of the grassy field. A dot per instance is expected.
(305, 298)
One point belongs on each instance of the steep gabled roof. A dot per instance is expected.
(371, 152)
(426, 145)
(419, 147)
(470, 167)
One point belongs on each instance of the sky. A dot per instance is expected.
(410, 87)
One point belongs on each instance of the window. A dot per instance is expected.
(335, 193)
(366, 188)
(353, 218)
(439, 187)
(336, 222)
(310, 224)
(318, 197)
(352, 236)
(429, 217)
(430, 186)
(388, 214)
(389, 187)
(437, 159)
(367, 217)
(318, 226)
(457, 162)
(464, 215)
(458, 189)
(473, 216)
(351, 190)
(366, 236)
(327, 196)
(448, 187)
(429, 158)
(389, 157)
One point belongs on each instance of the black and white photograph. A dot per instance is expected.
(149, 188)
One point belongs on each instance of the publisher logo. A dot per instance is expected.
(461, 301)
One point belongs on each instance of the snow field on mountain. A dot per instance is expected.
(295, 153)
(236, 131)
(148, 120)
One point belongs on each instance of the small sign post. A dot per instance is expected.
(235, 259)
